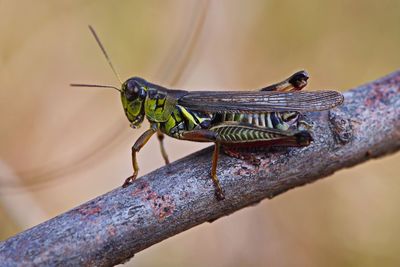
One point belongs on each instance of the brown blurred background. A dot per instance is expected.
(61, 146)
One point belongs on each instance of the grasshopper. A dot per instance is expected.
(233, 120)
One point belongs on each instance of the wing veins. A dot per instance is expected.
(267, 101)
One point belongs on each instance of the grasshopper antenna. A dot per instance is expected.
(94, 85)
(104, 53)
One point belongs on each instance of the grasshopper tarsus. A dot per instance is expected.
(128, 182)
(219, 194)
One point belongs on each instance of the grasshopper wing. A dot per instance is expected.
(260, 101)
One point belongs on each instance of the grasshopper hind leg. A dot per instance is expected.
(242, 141)
(295, 82)
(219, 193)
(208, 136)
(243, 154)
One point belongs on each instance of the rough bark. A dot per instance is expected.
(111, 228)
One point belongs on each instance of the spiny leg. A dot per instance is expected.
(164, 154)
(142, 140)
(219, 193)
(240, 139)
(295, 82)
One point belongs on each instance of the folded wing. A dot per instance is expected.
(261, 101)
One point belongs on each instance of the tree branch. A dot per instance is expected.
(113, 227)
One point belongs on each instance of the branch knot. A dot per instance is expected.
(341, 126)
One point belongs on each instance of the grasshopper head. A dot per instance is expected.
(133, 96)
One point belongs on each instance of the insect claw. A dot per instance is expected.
(128, 181)
(219, 194)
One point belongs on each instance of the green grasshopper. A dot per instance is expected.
(233, 120)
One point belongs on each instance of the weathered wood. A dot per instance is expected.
(113, 227)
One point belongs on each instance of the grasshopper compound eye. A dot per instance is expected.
(133, 90)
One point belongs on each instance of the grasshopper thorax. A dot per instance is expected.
(133, 96)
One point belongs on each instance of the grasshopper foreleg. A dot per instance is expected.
(142, 140)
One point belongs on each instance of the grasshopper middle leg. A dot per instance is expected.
(164, 154)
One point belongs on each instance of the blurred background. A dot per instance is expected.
(61, 146)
